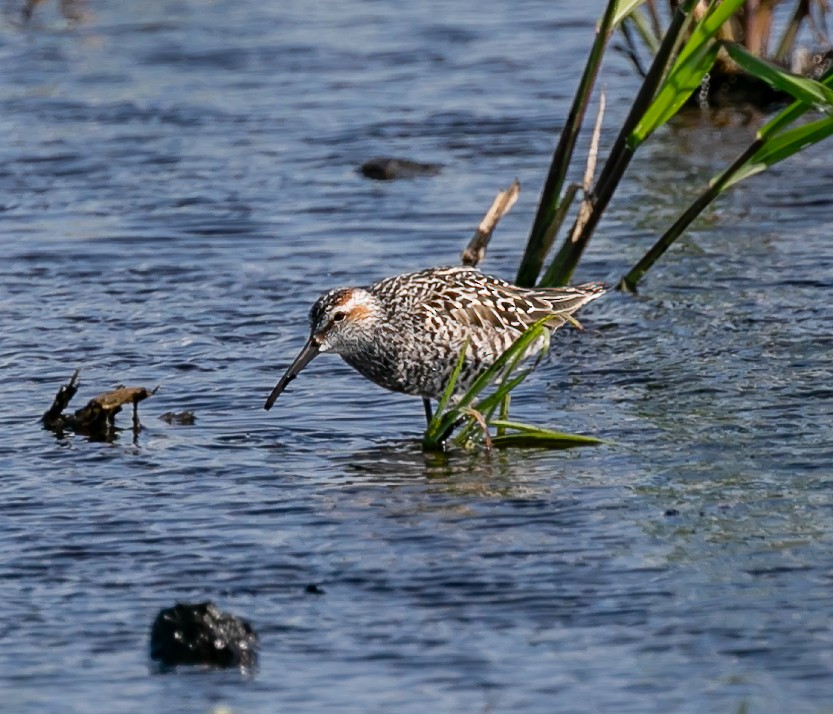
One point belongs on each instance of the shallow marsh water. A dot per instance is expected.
(178, 183)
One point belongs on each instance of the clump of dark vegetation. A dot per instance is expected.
(201, 634)
(698, 40)
(96, 419)
(705, 48)
(753, 26)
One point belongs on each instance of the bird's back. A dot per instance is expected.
(432, 313)
(472, 298)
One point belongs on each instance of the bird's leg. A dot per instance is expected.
(480, 419)
(426, 402)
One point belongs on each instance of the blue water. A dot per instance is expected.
(177, 185)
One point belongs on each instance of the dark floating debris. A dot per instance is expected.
(313, 589)
(200, 633)
(72, 10)
(385, 168)
(181, 418)
(97, 419)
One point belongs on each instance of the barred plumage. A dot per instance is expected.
(405, 333)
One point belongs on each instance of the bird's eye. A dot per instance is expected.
(339, 316)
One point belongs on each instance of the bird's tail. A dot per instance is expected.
(565, 301)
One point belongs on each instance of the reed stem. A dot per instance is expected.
(565, 261)
(545, 226)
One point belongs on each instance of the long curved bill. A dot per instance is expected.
(306, 355)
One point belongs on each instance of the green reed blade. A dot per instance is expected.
(449, 388)
(804, 89)
(542, 232)
(514, 352)
(440, 422)
(781, 147)
(773, 143)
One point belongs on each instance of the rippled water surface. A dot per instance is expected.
(178, 183)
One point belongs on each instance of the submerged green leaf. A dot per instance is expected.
(530, 436)
(643, 28)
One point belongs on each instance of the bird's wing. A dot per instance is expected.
(482, 302)
(478, 301)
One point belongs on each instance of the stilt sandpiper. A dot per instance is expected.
(405, 333)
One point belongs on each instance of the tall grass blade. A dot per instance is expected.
(504, 413)
(675, 92)
(785, 46)
(643, 29)
(449, 388)
(635, 274)
(792, 113)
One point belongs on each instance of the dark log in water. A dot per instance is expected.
(96, 419)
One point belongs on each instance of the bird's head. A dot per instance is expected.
(340, 321)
